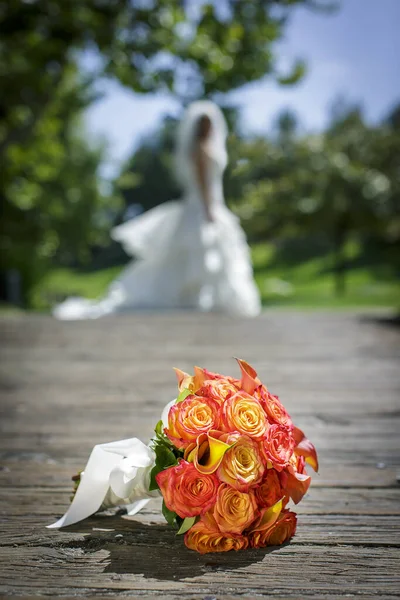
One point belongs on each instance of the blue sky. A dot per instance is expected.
(353, 53)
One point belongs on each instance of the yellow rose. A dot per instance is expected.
(280, 532)
(218, 389)
(242, 465)
(234, 510)
(188, 419)
(243, 413)
(204, 537)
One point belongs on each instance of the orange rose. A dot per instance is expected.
(278, 446)
(186, 491)
(281, 531)
(211, 375)
(234, 510)
(242, 465)
(275, 410)
(200, 377)
(205, 537)
(191, 417)
(218, 389)
(243, 413)
(270, 490)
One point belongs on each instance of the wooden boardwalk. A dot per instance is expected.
(68, 386)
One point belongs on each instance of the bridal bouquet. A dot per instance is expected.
(226, 459)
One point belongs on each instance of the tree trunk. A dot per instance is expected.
(339, 268)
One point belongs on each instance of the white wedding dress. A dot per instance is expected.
(182, 261)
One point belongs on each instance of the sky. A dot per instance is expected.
(353, 53)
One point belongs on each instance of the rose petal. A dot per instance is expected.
(305, 448)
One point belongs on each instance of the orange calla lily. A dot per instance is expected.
(305, 448)
(190, 382)
(185, 381)
(297, 485)
(249, 381)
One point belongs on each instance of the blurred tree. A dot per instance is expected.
(147, 179)
(52, 204)
(189, 48)
(336, 185)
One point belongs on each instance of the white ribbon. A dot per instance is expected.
(116, 473)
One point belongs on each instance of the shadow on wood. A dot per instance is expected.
(153, 550)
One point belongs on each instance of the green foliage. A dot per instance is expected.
(137, 183)
(184, 394)
(338, 184)
(164, 458)
(166, 455)
(169, 515)
(52, 204)
(186, 525)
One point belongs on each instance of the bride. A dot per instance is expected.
(190, 254)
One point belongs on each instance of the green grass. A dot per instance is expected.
(305, 285)
(62, 283)
(9, 309)
(311, 284)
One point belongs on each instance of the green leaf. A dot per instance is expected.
(184, 394)
(162, 440)
(186, 525)
(164, 457)
(159, 428)
(153, 485)
(179, 521)
(169, 515)
(298, 71)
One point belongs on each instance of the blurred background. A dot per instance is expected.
(90, 98)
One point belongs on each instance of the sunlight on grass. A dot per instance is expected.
(311, 284)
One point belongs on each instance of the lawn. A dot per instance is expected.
(311, 283)
(306, 285)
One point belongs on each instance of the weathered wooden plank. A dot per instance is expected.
(318, 501)
(326, 530)
(293, 571)
(322, 406)
(335, 443)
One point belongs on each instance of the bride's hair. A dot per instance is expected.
(202, 119)
(203, 128)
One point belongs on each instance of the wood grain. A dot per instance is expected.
(67, 386)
